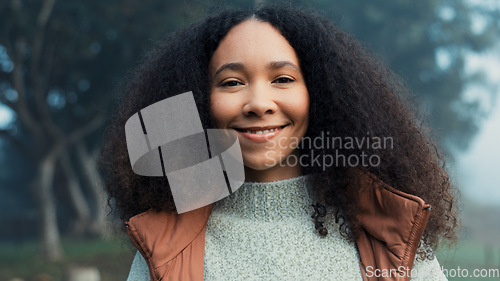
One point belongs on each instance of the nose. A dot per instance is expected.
(260, 102)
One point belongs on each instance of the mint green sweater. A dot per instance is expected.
(264, 231)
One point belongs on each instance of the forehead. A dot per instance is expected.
(253, 41)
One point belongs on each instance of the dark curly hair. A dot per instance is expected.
(351, 94)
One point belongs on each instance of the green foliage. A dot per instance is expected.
(470, 255)
(111, 257)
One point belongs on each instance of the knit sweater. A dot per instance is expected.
(264, 231)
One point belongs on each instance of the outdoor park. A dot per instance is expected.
(62, 68)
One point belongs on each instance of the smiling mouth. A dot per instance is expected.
(260, 130)
(260, 134)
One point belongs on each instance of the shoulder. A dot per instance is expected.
(428, 270)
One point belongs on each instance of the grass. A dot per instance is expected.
(469, 256)
(111, 257)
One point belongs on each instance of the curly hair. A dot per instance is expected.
(352, 94)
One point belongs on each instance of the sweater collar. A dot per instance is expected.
(269, 201)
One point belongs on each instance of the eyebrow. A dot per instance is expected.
(280, 64)
(240, 66)
(231, 65)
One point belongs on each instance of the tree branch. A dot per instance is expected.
(75, 136)
(45, 12)
(85, 130)
(36, 75)
(20, 85)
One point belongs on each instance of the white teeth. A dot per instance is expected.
(261, 132)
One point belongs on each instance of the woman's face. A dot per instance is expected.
(257, 89)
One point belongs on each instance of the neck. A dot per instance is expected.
(280, 171)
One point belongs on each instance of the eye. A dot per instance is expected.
(231, 83)
(283, 80)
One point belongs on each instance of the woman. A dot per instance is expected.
(365, 170)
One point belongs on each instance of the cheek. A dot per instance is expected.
(303, 111)
(221, 110)
(299, 107)
(216, 113)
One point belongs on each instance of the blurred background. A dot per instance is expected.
(61, 64)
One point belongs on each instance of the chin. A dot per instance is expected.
(261, 166)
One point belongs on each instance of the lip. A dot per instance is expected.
(263, 137)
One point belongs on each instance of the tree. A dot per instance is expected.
(66, 56)
(426, 42)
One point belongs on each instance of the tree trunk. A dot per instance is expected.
(51, 241)
(80, 204)
(100, 224)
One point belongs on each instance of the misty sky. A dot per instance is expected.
(478, 169)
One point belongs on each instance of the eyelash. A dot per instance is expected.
(279, 80)
(288, 80)
(226, 84)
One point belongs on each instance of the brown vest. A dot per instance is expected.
(392, 225)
